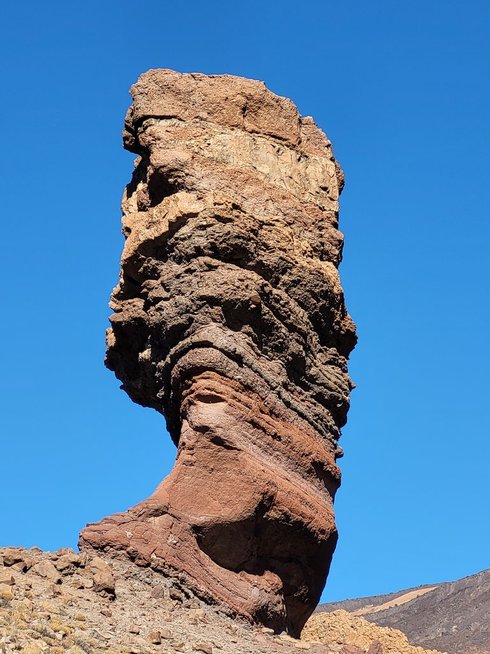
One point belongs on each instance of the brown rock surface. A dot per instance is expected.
(229, 319)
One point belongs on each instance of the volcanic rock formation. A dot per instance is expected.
(230, 320)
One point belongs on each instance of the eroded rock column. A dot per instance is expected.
(229, 319)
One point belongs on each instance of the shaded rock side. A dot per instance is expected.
(229, 319)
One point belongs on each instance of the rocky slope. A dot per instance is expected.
(453, 616)
(229, 319)
(341, 626)
(67, 603)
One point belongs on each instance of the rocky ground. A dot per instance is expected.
(452, 616)
(341, 626)
(64, 602)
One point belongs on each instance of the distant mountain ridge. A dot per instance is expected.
(452, 616)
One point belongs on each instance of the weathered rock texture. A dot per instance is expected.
(230, 320)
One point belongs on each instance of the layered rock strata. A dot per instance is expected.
(229, 319)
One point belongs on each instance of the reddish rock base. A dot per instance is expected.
(235, 516)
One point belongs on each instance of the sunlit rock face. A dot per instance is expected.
(229, 319)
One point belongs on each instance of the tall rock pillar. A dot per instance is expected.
(229, 319)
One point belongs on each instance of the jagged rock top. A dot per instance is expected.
(225, 100)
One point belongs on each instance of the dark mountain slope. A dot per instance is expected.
(452, 617)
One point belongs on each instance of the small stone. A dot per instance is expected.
(11, 555)
(267, 630)
(83, 559)
(49, 607)
(86, 583)
(106, 613)
(47, 570)
(65, 550)
(255, 298)
(32, 648)
(60, 628)
(375, 648)
(7, 579)
(67, 562)
(207, 648)
(158, 592)
(134, 629)
(178, 646)
(24, 565)
(166, 633)
(176, 595)
(55, 589)
(102, 576)
(87, 645)
(155, 637)
(199, 613)
(6, 593)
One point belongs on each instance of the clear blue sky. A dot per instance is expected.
(402, 89)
